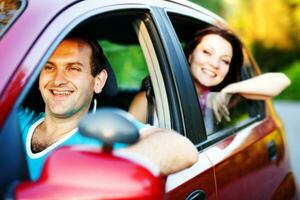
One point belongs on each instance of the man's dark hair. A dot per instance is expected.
(234, 73)
(97, 60)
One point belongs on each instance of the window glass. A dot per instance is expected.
(9, 9)
(129, 61)
(240, 108)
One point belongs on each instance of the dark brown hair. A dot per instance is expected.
(97, 60)
(234, 73)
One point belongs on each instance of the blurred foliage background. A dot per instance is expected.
(270, 29)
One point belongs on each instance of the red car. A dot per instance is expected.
(244, 159)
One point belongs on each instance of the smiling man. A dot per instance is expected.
(74, 72)
(67, 85)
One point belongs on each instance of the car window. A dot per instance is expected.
(121, 46)
(9, 10)
(242, 111)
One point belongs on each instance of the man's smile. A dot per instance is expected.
(56, 92)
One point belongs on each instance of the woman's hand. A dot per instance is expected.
(218, 102)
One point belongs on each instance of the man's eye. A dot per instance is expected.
(49, 68)
(74, 68)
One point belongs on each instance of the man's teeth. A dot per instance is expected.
(61, 92)
(208, 72)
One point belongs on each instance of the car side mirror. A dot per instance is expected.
(110, 126)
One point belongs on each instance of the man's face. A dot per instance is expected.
(66, 83)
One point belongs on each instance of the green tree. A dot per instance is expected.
(268, 22)
(215, 6)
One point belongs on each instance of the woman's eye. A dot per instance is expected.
(207, 52)
(226, 62)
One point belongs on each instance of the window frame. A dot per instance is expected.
(177, 80)
(144, 28)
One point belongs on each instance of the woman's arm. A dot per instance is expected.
(261, 87)
(264, 86)
(138, 107)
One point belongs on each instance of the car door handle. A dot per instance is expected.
(196, 195)
(272, 150)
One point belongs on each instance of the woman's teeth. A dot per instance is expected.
(210, 73)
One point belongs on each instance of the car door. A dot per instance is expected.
(248, 154)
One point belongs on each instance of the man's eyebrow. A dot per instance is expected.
(49, 62)
(75, 63)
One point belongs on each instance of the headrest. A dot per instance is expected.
(111, 87)
(99, 61)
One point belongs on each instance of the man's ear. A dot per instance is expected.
(100, 81)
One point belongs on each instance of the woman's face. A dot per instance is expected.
(210, 60)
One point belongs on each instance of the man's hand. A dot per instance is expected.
(218, 101)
